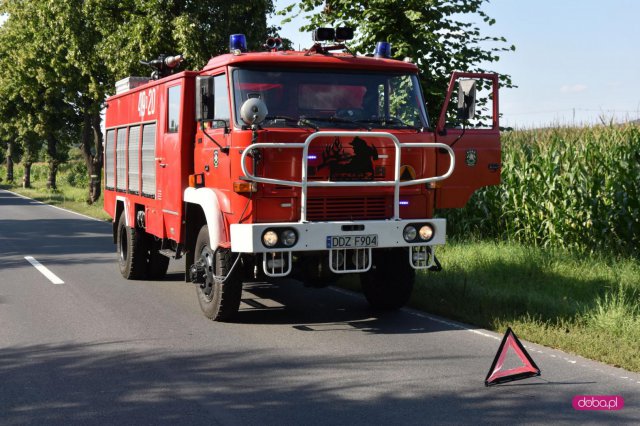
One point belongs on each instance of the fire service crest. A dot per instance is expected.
(344, 166)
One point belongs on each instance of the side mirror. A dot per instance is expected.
(466, 99)
(204, 98)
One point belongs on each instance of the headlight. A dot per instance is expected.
(269, 239)
(409, 233)
(288, 237)
(426, 232)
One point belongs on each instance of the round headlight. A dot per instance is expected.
(270, 239)
(409, 233)
(288, 237)
(426, 232)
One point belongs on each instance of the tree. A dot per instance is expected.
(432, 33)
(64, 56)
(41, 83)
(134, 30)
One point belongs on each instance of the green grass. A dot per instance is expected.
(582, 304)
(71, 194)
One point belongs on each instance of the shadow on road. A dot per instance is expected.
(321, 310)
(66, 241)
(108, 384)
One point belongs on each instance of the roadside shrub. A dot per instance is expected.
(76, 174)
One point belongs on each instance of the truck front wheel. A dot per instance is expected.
(389, 282)
(131, 251)
(219, 297)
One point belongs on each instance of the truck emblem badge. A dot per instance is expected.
(343, 166)
(215, 158)
(471, 157)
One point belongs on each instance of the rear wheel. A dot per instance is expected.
(219, 298)
(131, 251)
(389, 282)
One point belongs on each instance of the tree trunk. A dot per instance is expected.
(92, 137)
(52, 150)
(10, 162)
(26, 178)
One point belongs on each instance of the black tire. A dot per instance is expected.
(389, 282)
(158, 263)
(223, 299)
(132, 253)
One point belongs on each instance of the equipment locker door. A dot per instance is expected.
(169, 162)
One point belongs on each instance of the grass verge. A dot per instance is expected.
(588, 306)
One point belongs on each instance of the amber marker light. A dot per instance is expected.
(245, 187)
(196, 181)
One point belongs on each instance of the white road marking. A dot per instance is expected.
(44, 271)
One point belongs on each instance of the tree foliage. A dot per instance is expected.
(37, 81)
(134, 30)
(60, 58)
(435, 34)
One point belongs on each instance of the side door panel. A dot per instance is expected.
(477, 150)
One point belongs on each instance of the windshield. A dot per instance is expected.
(332, 98)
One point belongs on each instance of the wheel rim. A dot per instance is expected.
(207, 257)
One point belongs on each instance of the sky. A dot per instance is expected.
(576, 61)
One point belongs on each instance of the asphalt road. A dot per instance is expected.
(98, 349)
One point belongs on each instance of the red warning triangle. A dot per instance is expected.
(496, 375)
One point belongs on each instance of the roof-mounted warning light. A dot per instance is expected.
(237, 42)
(383, 50)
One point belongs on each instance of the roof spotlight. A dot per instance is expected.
(324, 34)
(344, 34)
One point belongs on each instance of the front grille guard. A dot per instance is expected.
(304, 183)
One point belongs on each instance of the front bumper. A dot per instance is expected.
(312, 236)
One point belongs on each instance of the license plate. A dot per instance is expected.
(352, 241)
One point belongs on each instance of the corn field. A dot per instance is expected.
(571, 188)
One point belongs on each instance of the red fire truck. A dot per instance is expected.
(278, 163)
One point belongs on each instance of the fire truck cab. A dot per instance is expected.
(274, 164)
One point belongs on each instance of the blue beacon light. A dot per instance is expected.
(383, 50)
(237, 42)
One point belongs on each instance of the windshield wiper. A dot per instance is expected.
(302, 122)
(393, 121)
(334, 119)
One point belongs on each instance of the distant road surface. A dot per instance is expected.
(93, 348)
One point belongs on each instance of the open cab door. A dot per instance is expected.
(475, 141)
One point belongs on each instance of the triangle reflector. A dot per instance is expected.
(529, 368)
